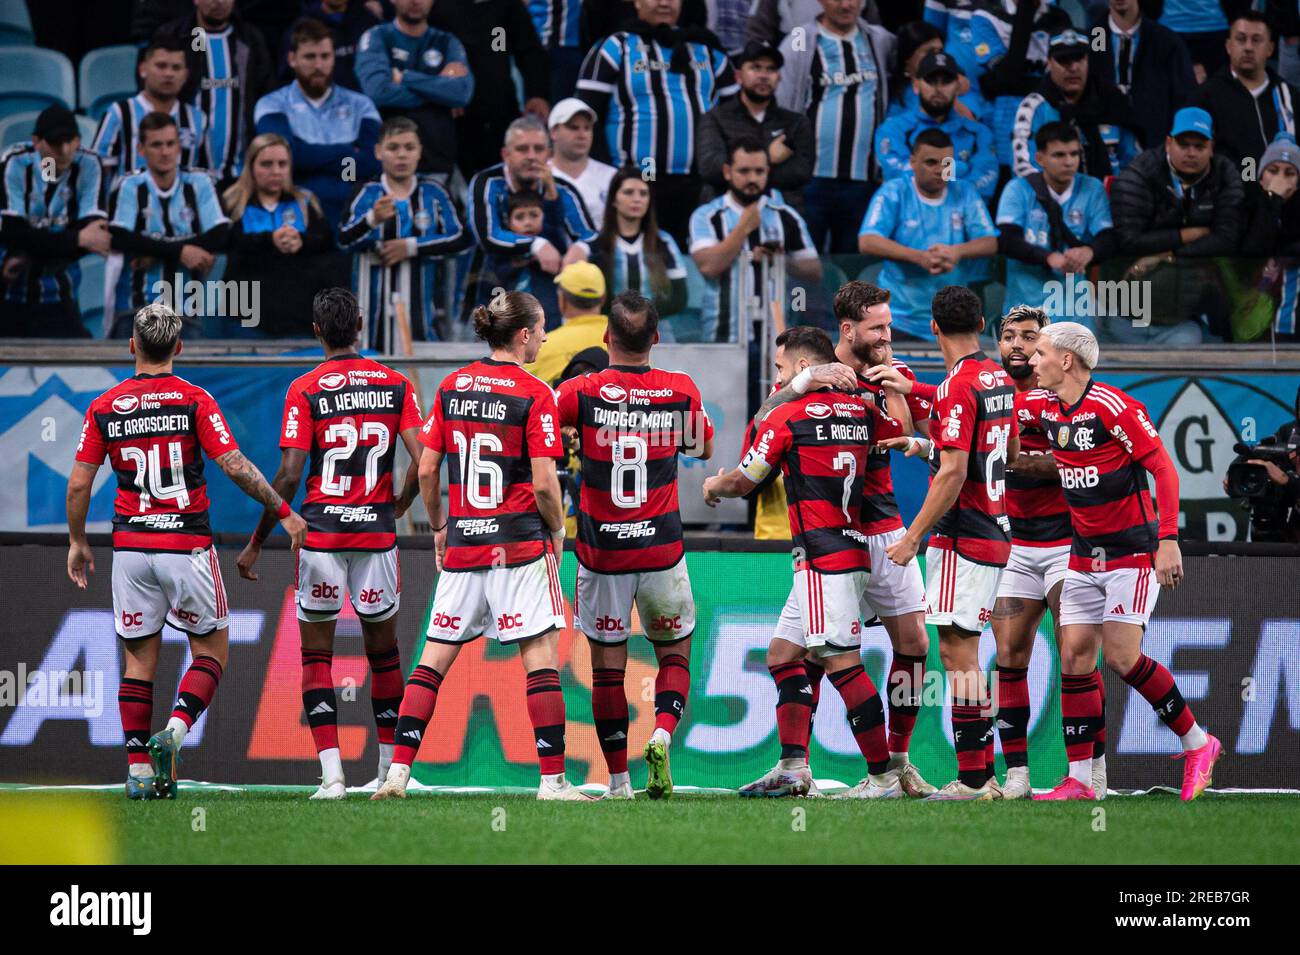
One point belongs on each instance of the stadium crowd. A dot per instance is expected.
(426, 152)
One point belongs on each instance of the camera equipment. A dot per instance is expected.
(1251, 481)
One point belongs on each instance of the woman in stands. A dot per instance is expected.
(279, 238)
(632, 251)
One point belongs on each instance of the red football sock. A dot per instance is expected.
(418, 701)
(135, 704)
(1080, 708)
(198, 687)
(903, 694)
(672, 687)
(1099, 741)
(546, 710)
(866, 715)
(385, 691)
(1013, 714)
(972, 728)
(318, 699)
(1156, 684)
(793, 708)
(609, 712)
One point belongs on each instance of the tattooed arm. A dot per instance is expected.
(834, 375)
(245, 474)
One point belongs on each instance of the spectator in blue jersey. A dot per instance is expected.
(930, 232)
(279, 238)
(1203, 27)
(1250, 104)
(1102, 114)
(166, 222)
(46, 225)
(163, 71)
(754, 113)
(1054, 222)
(411, 69)
(738, 230)
(770, 21)
(399, 226)
(727, 19)
(229, 71)
(559, 29)
(567, 228)
(498, 36)
(1146, 62)
(650, 84)
(1273, 234)
(916, 41)
(330, 129)
(1007, 58)
(936, 95)
(346, 21)
(837, 73)
(633, 252)
(524, 213)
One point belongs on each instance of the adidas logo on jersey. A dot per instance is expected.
(1118, 608)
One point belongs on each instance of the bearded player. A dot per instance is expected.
(633, 421)
(1105, 445)
(154, 428)
(895, 596)
(821, 441)
(346, 417)
(498, 553)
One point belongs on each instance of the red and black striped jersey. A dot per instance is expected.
(348, 414)
(632, 423)
(491, 419)
(974, 412)
(1098, 442)
(879, 508)
(1036, 506)
(155, 430)
(821, 441)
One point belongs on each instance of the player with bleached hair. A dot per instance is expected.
(1105, 444)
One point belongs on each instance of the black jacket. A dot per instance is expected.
(1244, 125)
(1162, 74)
(1273, 225)
(1101, 104)
(1148, 213)
(730, 121)
(473, 22)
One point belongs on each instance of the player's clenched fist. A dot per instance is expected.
(1169, 564)
(902, 550)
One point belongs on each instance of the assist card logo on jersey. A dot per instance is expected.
(125, 404)
(614, 393)
(332, 381)
(818, 410)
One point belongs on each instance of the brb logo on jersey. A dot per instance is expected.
(332, 381)
(818, 410)
(616, 394)
(125, 404)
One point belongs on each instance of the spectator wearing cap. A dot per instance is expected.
(1249, 103)
(936, 87)
(582, 297)
(566, 231)
(1053, 222)
(916, 41)
(572, 126)
(1069, 93)
(770, 21)
(837, 73)
(326, 125)
(1146, 62)
(1174, 205)
(45, 226)
(753, 113)
(649, 84)
(1273, 230)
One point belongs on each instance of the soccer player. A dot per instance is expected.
(1103, 441)
(1035, 571)
(345, 416)
(821, 441)
(633, 421)
(972, 438)
(154, 428)
(896, 595)
(498, 553)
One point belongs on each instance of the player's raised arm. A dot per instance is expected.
(285, 484)
(249, 479)
(832, 375)
(81, 560)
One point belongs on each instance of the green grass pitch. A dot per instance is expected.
(283, 827)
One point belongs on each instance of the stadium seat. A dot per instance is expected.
(15, 23)
(33, 78)
(872, 272)
(105, 76)
(17, 128)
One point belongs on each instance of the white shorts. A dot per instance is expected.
(509, 604)
(824, 612)
(1127, 595)
(602, 605)
(892, 590)
(958, 592)
(372, 579)
(1032, 572)
(184, 590)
